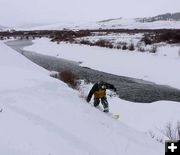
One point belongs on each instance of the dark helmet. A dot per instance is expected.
(102, 84)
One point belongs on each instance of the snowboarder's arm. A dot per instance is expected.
(94, 88)
(110, 86)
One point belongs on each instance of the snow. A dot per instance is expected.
(42, 115)
(145, 66)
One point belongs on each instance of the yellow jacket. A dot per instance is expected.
(100, 93)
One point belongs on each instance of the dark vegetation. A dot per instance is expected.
(150, 36)
(68, 77)
(168, 36)
(170, 131)
(101, 43)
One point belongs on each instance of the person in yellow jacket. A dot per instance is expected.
(99, 92)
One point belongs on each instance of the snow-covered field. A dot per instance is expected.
(122, 23)
(115, 39)
(42, 115)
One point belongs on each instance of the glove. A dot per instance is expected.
(88, 99)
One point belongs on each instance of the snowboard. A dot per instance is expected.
(114, 116)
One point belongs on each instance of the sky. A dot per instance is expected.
(17, 12)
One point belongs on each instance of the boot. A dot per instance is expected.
(106, 110)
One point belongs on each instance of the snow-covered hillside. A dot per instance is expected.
(120, 23)
(135, 24)
(41, 115)
(2, 28)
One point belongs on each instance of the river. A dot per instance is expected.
(131, 89)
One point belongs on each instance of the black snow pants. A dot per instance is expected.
(103, 100)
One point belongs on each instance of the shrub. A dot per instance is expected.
(69, 78)
(154, 136)
(170, 132)
(153, 49)
(169, 36)
(101, 43)
(104, 43)
(131, 47)
(118, 46)
(179, 52)
(124, 47)
(146, 39)
(85, 42)
(54, 74)
(141, 49)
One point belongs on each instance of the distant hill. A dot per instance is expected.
(2, 27)
(163, 17)
(109, 20)
(164, 21)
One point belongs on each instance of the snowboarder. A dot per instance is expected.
(99, 92)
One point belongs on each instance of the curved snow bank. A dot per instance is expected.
(42, 115)
(16, 71)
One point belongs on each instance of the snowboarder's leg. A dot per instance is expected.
(105, 104)
(96, 102)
